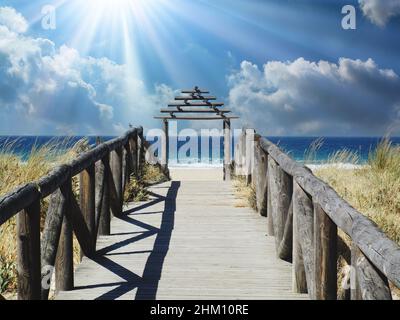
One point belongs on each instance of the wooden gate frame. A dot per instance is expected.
(192, 102)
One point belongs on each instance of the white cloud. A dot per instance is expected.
(380, 11)
(48, 90)
(13, 20)
(317, 98)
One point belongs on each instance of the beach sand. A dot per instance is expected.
(196, 173)
(214, 173)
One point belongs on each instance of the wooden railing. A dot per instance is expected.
(304, 214)
(103, 171)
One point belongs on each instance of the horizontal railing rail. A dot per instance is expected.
(303, 214)
(104, 171)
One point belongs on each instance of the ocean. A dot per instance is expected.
(297, 147)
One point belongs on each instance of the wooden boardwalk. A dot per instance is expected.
(188, 242)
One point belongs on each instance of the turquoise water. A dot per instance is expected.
(296, 146)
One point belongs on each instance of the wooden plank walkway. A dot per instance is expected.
(188, 242)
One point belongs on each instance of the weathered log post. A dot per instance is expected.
(325, 255)
(141, 151)
(65, 260)
(116, 169)
(367, 282)
(299, 280)
(127, 164)
(237, 155)
(260, 179)
(249, 154)
(87, 197)
(227, 149)
(104, 212)
(134, 154)
(270, 182)
(28, 246)
(281, 198)
(165, 149)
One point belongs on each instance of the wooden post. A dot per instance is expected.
(227, 149)
(88, 202)
(140, 154)
(116, 168)
(260, 179)
(127, 165)
(28, 244)
(249, 154)
(325, 255)
(355, 292)
(281, 197)
(65, 260)
(270, 219)
(299, 278)
(134, 154)
(368, 283)
(165, 147)
(243, 152)
(105, 214)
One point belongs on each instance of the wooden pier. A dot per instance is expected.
(188, 242)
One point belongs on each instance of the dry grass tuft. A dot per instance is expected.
(15, 171)
(373, 189)
(136, 190)
(246, 195)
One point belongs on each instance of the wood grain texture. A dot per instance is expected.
(372, 284)
(17, 200)
(270, 218)
(87, 199)
(64, 266)
(260, 179)
(299, 279)
(325, 256)
(303, 210)
(227, 149)
(28, 248)
(116, 173)
(281, 186)
(103, 208)
(58, 207)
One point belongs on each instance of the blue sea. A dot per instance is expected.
(297, 147)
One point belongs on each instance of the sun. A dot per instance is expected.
(109, 6)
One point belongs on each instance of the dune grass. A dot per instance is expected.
(16, 171)
(373, 189)
(136, 190)
(245, 194)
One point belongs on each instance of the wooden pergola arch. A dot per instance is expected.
(197, 104)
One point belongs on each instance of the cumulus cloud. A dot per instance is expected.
(47, 90)
(380, 11)
(13, 20)
(351, 97)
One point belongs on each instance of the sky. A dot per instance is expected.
(286, 67)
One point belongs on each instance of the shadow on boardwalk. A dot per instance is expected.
(146, 285)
